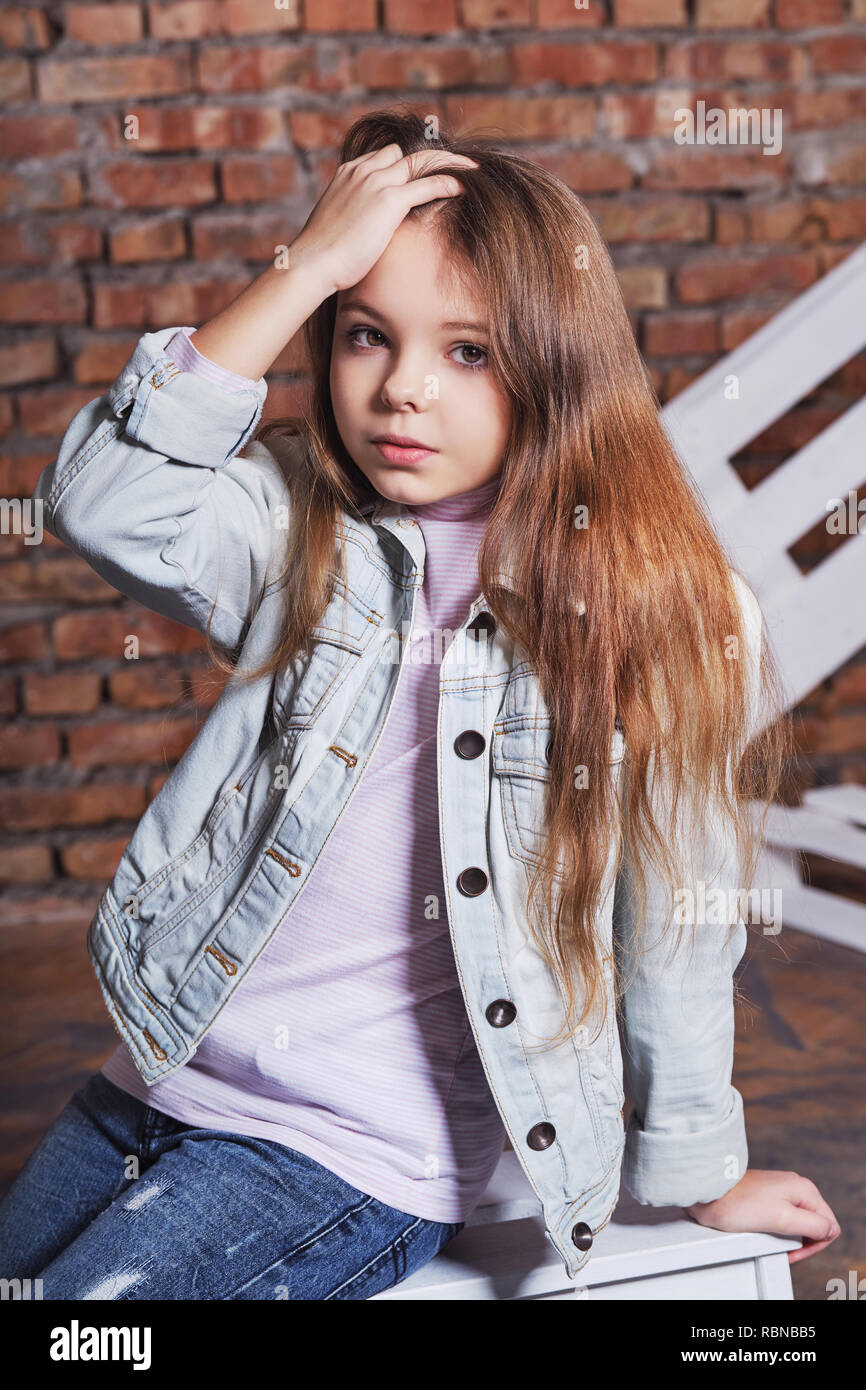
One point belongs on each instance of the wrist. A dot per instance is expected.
(307, 267)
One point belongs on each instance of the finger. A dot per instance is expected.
(806, 1197)
(434, 186)
(414, 165)
(811, 1247)
(381, 158)
(801, 1221)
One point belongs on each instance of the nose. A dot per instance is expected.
(408, 384)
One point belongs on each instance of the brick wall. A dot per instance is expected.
(240, 107)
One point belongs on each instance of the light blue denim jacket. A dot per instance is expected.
(150, 487)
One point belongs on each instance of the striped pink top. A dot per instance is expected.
(349, 1040)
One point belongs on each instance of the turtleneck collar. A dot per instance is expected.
(462, 506)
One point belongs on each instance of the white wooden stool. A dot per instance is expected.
(642, 1253)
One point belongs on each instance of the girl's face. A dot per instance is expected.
(409, 358)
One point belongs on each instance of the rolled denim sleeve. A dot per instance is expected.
(150, 488)
(686, 1136)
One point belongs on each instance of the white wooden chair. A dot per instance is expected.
(816, 622)
(642, 1253)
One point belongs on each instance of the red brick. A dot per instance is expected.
(43, 301)
(649, 14)
(59, 244)
(689, 166)
(146, 686)
(730, 225)
(24, 642)
(22, 808)
(808, 14)
(81, 636)
(168, 303)
(741, 59)
(838, 53)
(563, 14)
(732, 14)
(66, 578)
(834, 162)
(25, 28)
(41, 191)
(710, 279)
(584, 64)
(203, 127)
(69, 692)
(229, 234)
(643, 286)
(93, 858)
(830, 256)
(678, 335)
(793, 430)
(432, 17)
(677, 379)
(401, 66)
(257, 178)
(587, 171)
(307, 68)
(524, 118)
(99, 360)
(197, 19)
(741, 324)
(497, 14)
(156, 239)
(49, 411)
(14, 79)
(809, 220)
(34, 359)
(834, 106)
(103, 24)
(652, 219)
(119, 78)
(22, 747)
(8, 695)
(26, 864)
(340, 16)
(117, 306)
(23, 137)
(638, 115)
(324, 129)
(168, 183)
(110, 742)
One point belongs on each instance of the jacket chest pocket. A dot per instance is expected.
(304, 687)
(521, 767)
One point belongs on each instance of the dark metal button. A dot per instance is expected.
(471, 882)
(548, 750)
(500, 1013)
(581, 1236)
(541, 1136)
(469, 744)
(483, 624)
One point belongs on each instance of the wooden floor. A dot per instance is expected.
(800, 1057)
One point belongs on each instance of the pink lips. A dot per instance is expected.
(398, 448)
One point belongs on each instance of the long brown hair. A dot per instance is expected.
(631, 620)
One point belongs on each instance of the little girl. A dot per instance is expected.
(479, 425)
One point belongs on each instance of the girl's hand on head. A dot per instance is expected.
(783, 1204)
(362, 207)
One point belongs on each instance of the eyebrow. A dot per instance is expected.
(357, 306)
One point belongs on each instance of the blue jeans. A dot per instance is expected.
(210, 1215)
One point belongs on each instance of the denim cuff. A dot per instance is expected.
(678, 1169)
(180, 414)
